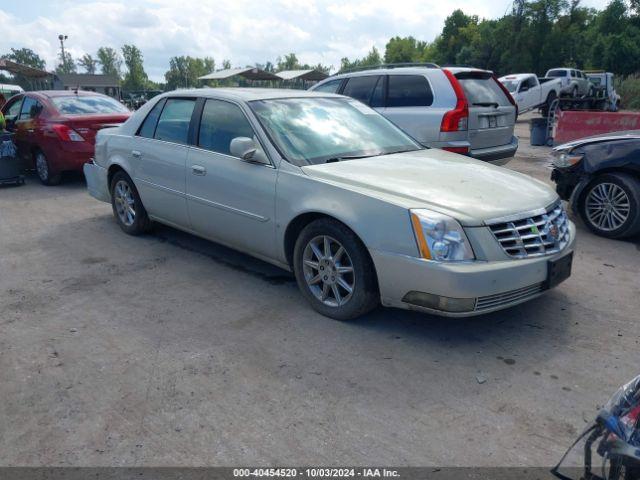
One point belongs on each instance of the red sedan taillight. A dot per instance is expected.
(66, 134)
(456, 120)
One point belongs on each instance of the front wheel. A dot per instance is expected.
(334, 271)
(127, 206)
(611, 205)
(574, 92)
(43, 169)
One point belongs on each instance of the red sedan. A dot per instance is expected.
(55, 130)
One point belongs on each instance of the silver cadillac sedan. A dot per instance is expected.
(324, 186)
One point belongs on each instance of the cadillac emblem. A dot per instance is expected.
(552, 231)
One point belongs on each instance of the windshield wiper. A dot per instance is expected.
(486, 104)
(347, 157)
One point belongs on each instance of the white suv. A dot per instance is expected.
(462, 110)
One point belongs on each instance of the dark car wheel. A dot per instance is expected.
(334, 271)
(610, 205)
(127, 206)
(547, 105)
(43, 169)
(574, 92)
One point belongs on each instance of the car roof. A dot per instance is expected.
(247, 94)
(64, 93)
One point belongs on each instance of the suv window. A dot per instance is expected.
(222, 122)
(148, 128)
(409, 91)
(28, 108)
(481, 88)
(557, 73)
(173, 125)
(573, 73)
(361, 88)
(329, 87)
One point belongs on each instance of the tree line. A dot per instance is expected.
(534, 36)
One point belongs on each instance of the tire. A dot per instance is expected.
(574, 92)
(310, 248)
(43, 170)
(601, 214)
(133, 220)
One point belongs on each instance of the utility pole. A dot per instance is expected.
(62, 38)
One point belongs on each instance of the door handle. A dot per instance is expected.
(30, 130)
(136, 154)
(198, 170)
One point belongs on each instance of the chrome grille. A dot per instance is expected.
(542, 234)
(499, 299)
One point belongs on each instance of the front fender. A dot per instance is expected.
(577, 193)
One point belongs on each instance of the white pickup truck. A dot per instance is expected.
(531, 92)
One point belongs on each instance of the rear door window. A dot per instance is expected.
(173, 125)
(30, 108)
(361, 88)
(329, 87)
(481, 89)
(409, 91)
(148, 128)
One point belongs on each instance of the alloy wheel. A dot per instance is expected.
(607, 206)
(328, 271)
(125, 203)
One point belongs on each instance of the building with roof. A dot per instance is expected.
(106, 84)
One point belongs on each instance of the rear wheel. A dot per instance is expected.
(127, 206)
(574, 92)
(334, 271)
(610, 206)
(43, 169)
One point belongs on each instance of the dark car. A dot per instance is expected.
(600, 176)
(55, 130)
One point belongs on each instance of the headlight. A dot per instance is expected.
(440, 237)
(565, 158)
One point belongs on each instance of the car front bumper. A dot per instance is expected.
(97, 181)
(472, 288)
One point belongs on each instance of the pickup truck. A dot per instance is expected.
(531, 92)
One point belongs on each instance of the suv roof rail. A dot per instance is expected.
(389, 65)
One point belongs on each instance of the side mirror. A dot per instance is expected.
(247, 149)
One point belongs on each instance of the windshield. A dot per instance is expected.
(317, 130)
(87, 105)
(595, 80)
(556, 73)
(510, 85)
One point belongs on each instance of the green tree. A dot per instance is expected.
(184, 71)
(26, 56)
(110, 61)
(89, 63)
(135, 78)
(66, 63)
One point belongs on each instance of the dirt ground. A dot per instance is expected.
(170, 350)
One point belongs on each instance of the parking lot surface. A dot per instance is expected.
(171, 350)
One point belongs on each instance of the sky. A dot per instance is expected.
(243, 31)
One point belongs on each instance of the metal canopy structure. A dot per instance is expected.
(248, 73)
(311, 75)
(36, 78)
(24, 70)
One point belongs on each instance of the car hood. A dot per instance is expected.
(603, 137)
(469, 190)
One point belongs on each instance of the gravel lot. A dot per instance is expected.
(170, 350)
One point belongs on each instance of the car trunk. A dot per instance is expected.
(88, 125)
(491, 114)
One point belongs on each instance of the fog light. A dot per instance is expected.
(436, 302)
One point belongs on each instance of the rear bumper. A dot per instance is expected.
(69, 156)
(97, 181)
(497, 155)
